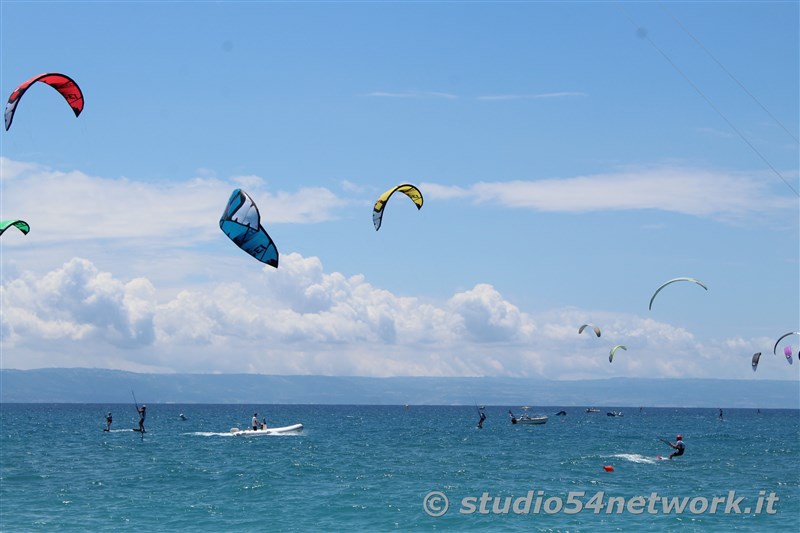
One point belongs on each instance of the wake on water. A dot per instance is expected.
(229, 434)
(635, 458)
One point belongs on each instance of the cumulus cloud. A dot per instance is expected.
(78, 302)
(486, 316)
(307, 321)
(141, 306)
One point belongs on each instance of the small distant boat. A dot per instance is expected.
(561, 413)
(183, 416)
(592, 410)
(526, 419)
(295, 428)
(614, 413)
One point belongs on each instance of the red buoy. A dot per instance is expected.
(608, 468)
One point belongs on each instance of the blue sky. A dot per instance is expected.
(572, 156)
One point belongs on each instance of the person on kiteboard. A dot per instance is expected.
(108, 421)
(142, 413)
(679, 447)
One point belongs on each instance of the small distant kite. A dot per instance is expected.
(787, 351)
(594, 328)
(756, 357)
(19, 224)
(241, 222)
(673, 281)
(407, 189)
(614, 350)
(65, 85)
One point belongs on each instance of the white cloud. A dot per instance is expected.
(533, 96)
(697, 192)
(138, 305)
(77, 206)
(299, 319)
(713, 132)
(487, 316)
(349, 186)
(491, 97)
(78, 302)
(412, 94)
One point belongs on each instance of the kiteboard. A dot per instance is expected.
(294, 428)
(660, 458)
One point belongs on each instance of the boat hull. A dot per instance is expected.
(530, 421)
(295, 428)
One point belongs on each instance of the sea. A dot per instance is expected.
(359, 468)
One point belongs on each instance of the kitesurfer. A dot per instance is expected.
(255, 422)
(679, 447)
(108, 421)
(142, 414)
(720, 414)
(480, 422)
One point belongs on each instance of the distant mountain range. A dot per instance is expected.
(86, 385)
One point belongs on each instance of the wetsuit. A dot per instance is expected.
(680, 447)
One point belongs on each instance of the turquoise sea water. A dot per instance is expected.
(369, 468)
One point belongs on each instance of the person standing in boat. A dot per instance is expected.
(108, 421)
(255, 422)
(142, 414)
